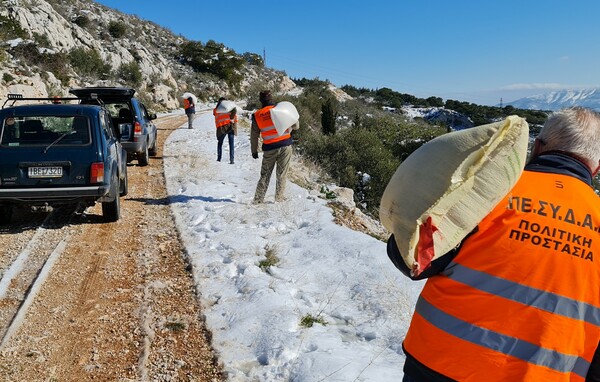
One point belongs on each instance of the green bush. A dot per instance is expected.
(308, 320)
(213, 58)
(7, 78)
(329, 116)
(56, 63)
(82, 20)
(116, 29)
(88, 62)
(11, 29)
(130, 73)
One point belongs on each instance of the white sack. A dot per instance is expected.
(226, 106)
(188, 95)
(441, 192)
(284, 115)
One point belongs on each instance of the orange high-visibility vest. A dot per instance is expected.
(267, 127)
(186, 103)
(521, 300)
(221, 119)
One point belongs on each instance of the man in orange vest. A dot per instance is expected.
(277, 149)
(519, 299)
(226, 124)
(190, 109)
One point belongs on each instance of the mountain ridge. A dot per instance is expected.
(560, 99)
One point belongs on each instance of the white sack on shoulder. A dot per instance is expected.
(441, 192)
(284, 115)
(226, 106)
(188, 95)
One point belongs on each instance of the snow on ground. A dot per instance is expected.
(333, 274)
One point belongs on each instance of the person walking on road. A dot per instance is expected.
(226, 123)
(190, 109)
(519, 298)
(277, 149)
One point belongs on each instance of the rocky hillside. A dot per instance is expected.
(50, 46)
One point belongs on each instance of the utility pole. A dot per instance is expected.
(500, 102)
(264, 57)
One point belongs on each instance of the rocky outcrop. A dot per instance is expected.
(150, 46)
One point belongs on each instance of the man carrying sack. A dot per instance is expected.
(276, 147)
(518, 299)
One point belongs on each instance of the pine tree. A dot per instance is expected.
(329, 115)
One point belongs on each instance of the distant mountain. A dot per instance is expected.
(560, 99)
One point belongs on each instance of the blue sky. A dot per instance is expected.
(476, 51)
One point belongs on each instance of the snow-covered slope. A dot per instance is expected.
(329, 307)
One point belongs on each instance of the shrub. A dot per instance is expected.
(213, 58)
(57, 63)
(7, 78)
(271, 258)
(41, 40)
(88, 62)
(130, 73)
(308, 320)
(81, 20)
(11, 29)
(329, 116)
(116, 29)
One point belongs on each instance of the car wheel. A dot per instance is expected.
(144, 157)
(152, 151)
(111, 211)
(5, 214)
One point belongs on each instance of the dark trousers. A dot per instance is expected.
(220, 140)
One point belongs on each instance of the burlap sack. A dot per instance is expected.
(441, 192)
(284, 115)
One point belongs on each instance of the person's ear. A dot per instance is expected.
(595, 172)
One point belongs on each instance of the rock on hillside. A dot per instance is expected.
(57, 27)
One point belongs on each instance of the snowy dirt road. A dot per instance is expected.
(85, 300)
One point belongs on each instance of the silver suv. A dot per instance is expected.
(138, 132)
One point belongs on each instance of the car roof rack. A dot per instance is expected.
(14, 97)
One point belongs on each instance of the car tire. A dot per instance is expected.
(124, 186)
(152, 151)
(144, 157)
(6, 213)
(111, 211)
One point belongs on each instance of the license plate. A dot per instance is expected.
(45, 172)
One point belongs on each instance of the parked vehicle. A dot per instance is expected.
(57, 153)
(138, 133)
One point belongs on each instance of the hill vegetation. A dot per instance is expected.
(359, 138)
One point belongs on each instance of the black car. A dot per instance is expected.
(138, 133)
(56, 153)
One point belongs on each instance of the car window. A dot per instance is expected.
(106, 128)
(144, 111)
(118, 110)
(107, 120)
(19, 131)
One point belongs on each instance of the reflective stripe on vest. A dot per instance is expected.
(520, 301)
(267, 128)
(221, 119)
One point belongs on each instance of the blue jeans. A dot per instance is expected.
(220, 146)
